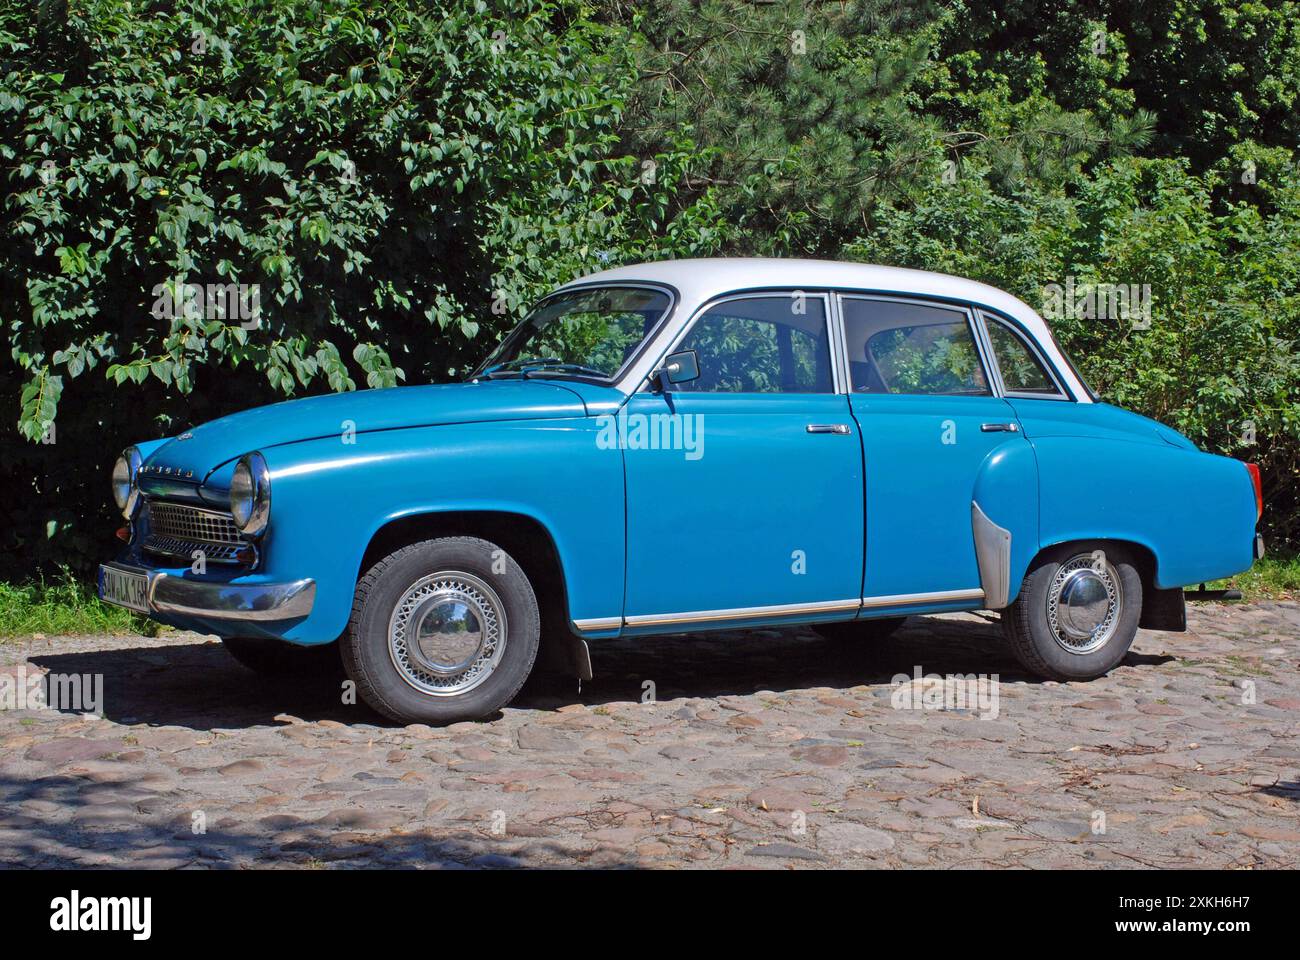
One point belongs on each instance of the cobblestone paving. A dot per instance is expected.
(776, 749)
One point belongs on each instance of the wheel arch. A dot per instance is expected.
(521, 535)
(1162, 609)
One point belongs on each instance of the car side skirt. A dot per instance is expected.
(912, 602)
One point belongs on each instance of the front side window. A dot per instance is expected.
(589, 333)
(1022, 371)
(776, 344)
(911, 348)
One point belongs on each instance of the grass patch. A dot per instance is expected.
(1272, 578)
(65, 606)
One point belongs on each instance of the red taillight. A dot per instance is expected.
(1259, 489)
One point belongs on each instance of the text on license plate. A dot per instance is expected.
(124, 588)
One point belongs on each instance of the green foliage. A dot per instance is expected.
(209, 204)
(390, 184)
(1094, 142)
(1273, 577)
(1218, 360)
(64, 606)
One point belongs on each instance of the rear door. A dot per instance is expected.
(924, 401)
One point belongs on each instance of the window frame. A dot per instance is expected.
(834, 337)
(988, 317)
(965, 309)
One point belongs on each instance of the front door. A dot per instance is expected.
(744, 486)
(929, 420)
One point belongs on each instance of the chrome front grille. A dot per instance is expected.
(177, 530)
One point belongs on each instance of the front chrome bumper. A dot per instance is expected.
(176, 596)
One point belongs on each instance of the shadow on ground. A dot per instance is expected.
(198, 685)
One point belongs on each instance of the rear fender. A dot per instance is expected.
(1004, 520)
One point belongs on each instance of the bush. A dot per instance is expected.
(389, 183)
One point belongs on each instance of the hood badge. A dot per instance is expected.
(159, 471)
(186, 436)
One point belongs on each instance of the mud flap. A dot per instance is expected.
(564, 652)
(1164, 610)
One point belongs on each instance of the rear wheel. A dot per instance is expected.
(1077, 612)
(442, 630)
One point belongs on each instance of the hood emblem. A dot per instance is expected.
(158, 470)
(186, 436)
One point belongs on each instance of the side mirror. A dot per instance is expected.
(679, 368)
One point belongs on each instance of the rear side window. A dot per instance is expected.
(1022, 371)
(911, 348)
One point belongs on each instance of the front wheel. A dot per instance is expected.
(441, 631)
(1077, 612)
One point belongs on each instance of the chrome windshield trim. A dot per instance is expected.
(742, 613)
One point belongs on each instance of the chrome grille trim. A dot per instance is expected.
(177, 530)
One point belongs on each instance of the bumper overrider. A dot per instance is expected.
(170, 595)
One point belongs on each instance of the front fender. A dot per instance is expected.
(329, 498)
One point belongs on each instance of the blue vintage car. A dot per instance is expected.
(676, 447)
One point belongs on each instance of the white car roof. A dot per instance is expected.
(700, 280)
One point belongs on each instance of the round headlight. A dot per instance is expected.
(124, 478)
(250, 495)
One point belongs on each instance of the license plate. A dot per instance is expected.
(124, 588)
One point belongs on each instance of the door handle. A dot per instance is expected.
(999, 427)
(828, 428)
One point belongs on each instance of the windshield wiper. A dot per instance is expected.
(525, 367)
(562, 367)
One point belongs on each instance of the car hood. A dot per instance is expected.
(193, 455)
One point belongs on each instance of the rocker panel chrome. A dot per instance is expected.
(743, 613)
(780, 610)
(598, 623)
(913, 599)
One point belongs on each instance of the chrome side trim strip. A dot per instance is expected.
(598, 623)
(742, 613)
(993, 554)
(909, 599)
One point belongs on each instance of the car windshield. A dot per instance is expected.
(582, 333)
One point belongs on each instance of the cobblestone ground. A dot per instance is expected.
(763, 749)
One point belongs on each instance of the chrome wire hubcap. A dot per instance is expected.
(447, 633)
(1084, 603)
